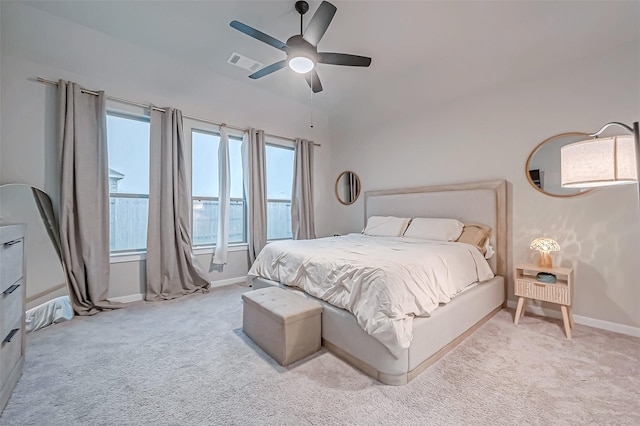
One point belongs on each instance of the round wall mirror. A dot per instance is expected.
(347, 188)
(543, 165)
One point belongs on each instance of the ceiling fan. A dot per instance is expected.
(302, 49)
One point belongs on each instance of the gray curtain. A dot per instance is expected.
(84, 197)
(172, 269)
(302, 220)
(254, 168)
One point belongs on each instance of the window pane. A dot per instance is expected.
(128, 142)
(128, 146)
(204, 154)
(128, 223)
(236, 222)
(278, 220)
(205, 189)
(279, 184)
(205, 222)
(279, 172)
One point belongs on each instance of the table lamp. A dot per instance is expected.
(545, 246)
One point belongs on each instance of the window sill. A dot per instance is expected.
(210, 249)
(128, 257)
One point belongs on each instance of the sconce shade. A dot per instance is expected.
(599, 162)
(545, 246)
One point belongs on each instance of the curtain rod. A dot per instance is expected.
(140, 104)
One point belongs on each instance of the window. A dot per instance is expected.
(279, 160)
(204, 154)
(128, 145)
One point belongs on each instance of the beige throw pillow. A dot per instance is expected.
(475, 234)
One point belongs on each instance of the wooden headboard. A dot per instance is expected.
(474, 202)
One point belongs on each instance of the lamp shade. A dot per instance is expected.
(598, 162)
(545, 245)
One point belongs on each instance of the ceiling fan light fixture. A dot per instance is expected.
(301, 64)
(302, 49)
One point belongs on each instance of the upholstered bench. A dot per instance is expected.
(284, 324)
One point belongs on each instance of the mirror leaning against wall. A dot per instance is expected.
(543, 165)
(347, 187)
(47, 295)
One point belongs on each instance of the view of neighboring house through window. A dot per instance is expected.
(128, 142)
(279, 160)
(205, 190)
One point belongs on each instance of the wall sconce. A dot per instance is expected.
(602, 162)
(545, 246)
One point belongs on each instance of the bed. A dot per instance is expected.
(445, 327)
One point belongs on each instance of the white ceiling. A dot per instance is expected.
(427, 50)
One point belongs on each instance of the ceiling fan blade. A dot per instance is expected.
(258, 35)
(313, 81)
(319, 23)
(268, 69)
(343, 59)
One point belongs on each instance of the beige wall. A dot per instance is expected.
(36, 44)
(125, 275)
(489, 135)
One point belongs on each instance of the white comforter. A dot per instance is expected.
(383, 281)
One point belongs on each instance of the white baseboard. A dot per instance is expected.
(214, 284)
(579, 319)
(229, 281)
(127, 299)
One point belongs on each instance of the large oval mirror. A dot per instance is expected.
(47, 299)
(543, 165)
(347, 188)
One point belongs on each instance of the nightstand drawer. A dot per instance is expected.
(555, 293)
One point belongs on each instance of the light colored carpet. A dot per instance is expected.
(187, 362)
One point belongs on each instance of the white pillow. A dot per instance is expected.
(434, 229)
(386, 226)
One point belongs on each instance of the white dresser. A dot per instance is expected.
(12, 295)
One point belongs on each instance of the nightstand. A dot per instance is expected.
(561, 292)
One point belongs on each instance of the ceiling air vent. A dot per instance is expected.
(243, 62)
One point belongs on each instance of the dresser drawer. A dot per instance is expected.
(10, 263)
(556, 293)
(10, 352)
(11, 304)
